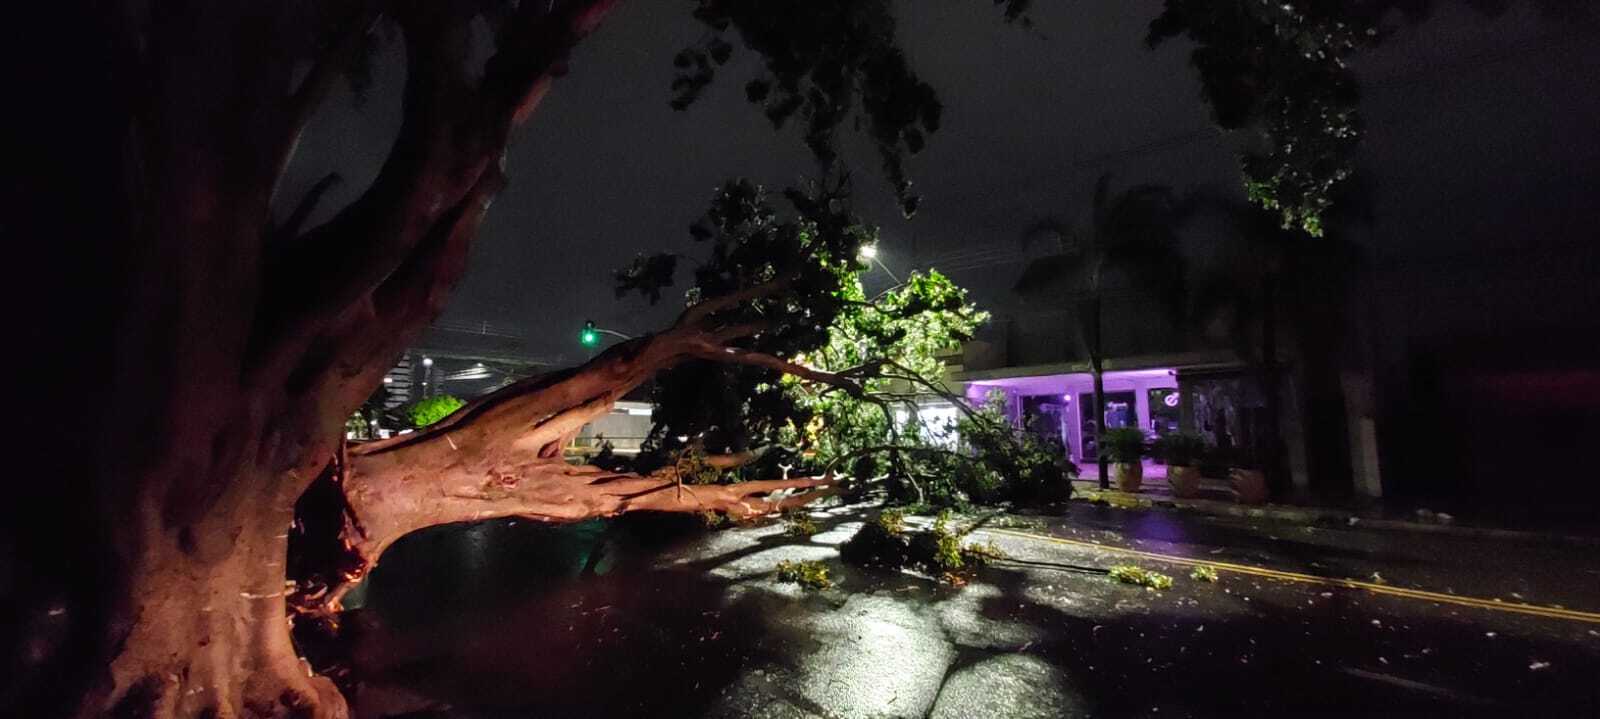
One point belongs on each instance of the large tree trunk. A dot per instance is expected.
(146, 576)
(501, 456)
(208, 633)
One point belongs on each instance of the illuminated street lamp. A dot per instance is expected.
(868, 253)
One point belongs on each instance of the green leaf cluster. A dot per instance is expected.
(428, 410)
(1130, 574)
(809, 574)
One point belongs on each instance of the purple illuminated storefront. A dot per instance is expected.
(1201, 394)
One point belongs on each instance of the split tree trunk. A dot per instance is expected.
(146, 576)
(501, 456)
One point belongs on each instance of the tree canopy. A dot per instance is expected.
(867, 362)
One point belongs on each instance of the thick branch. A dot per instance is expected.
(318, 82)
(453, 134)
(386, 503)
(307, 205)
(736, 459)
(701, 311)
(719, 353)
(372, 334)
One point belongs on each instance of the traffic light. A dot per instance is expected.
(590, 336)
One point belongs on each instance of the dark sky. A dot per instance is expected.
(1464, 113)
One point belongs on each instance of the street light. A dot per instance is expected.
(868, 253)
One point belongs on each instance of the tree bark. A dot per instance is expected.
(1097, 369)
(208, 634)
(500, 456)
(146, 577)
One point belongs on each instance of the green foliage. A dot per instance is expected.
(902, 334)
(691, 467)
(808, 574)
(729, 407)
(799, 524)
(1179, 449)
(1122, 444)
(715, 520)
(1129, 574)
(889, 347)
(947, 553)
(1204, 573)
(1280, 69)
(886, 543)
(891, 520)
(982, 555)
(1002, 464)
(432, 409)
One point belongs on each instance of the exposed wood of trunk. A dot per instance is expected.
(500, 456)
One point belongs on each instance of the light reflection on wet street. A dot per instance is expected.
(515, 621)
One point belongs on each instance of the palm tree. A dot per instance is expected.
(1273, 279)
(1131, 234)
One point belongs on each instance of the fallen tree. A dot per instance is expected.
(771, 290)
(501, 455)
(228, 337)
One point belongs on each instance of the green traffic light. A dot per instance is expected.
(589, 337)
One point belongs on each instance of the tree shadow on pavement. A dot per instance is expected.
(494, 621)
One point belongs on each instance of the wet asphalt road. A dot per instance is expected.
(496, 621)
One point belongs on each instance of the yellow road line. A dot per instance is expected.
(1476, 602)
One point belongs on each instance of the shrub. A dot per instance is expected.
(1204, 573)
(1123, 444)
(809, 574)
(1180, 450)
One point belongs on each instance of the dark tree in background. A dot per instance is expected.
(213, 344)
(1131, 235)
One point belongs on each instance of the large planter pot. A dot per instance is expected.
(1185, 481)
(1129, 475)
(1249, 485)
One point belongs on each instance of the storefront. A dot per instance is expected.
(1057, 405)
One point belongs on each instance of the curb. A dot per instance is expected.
(1340, 519)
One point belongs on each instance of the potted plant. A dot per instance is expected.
(1124, 448)
(1182, 453)
(1249, 481)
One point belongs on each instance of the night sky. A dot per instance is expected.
(1482, 137)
